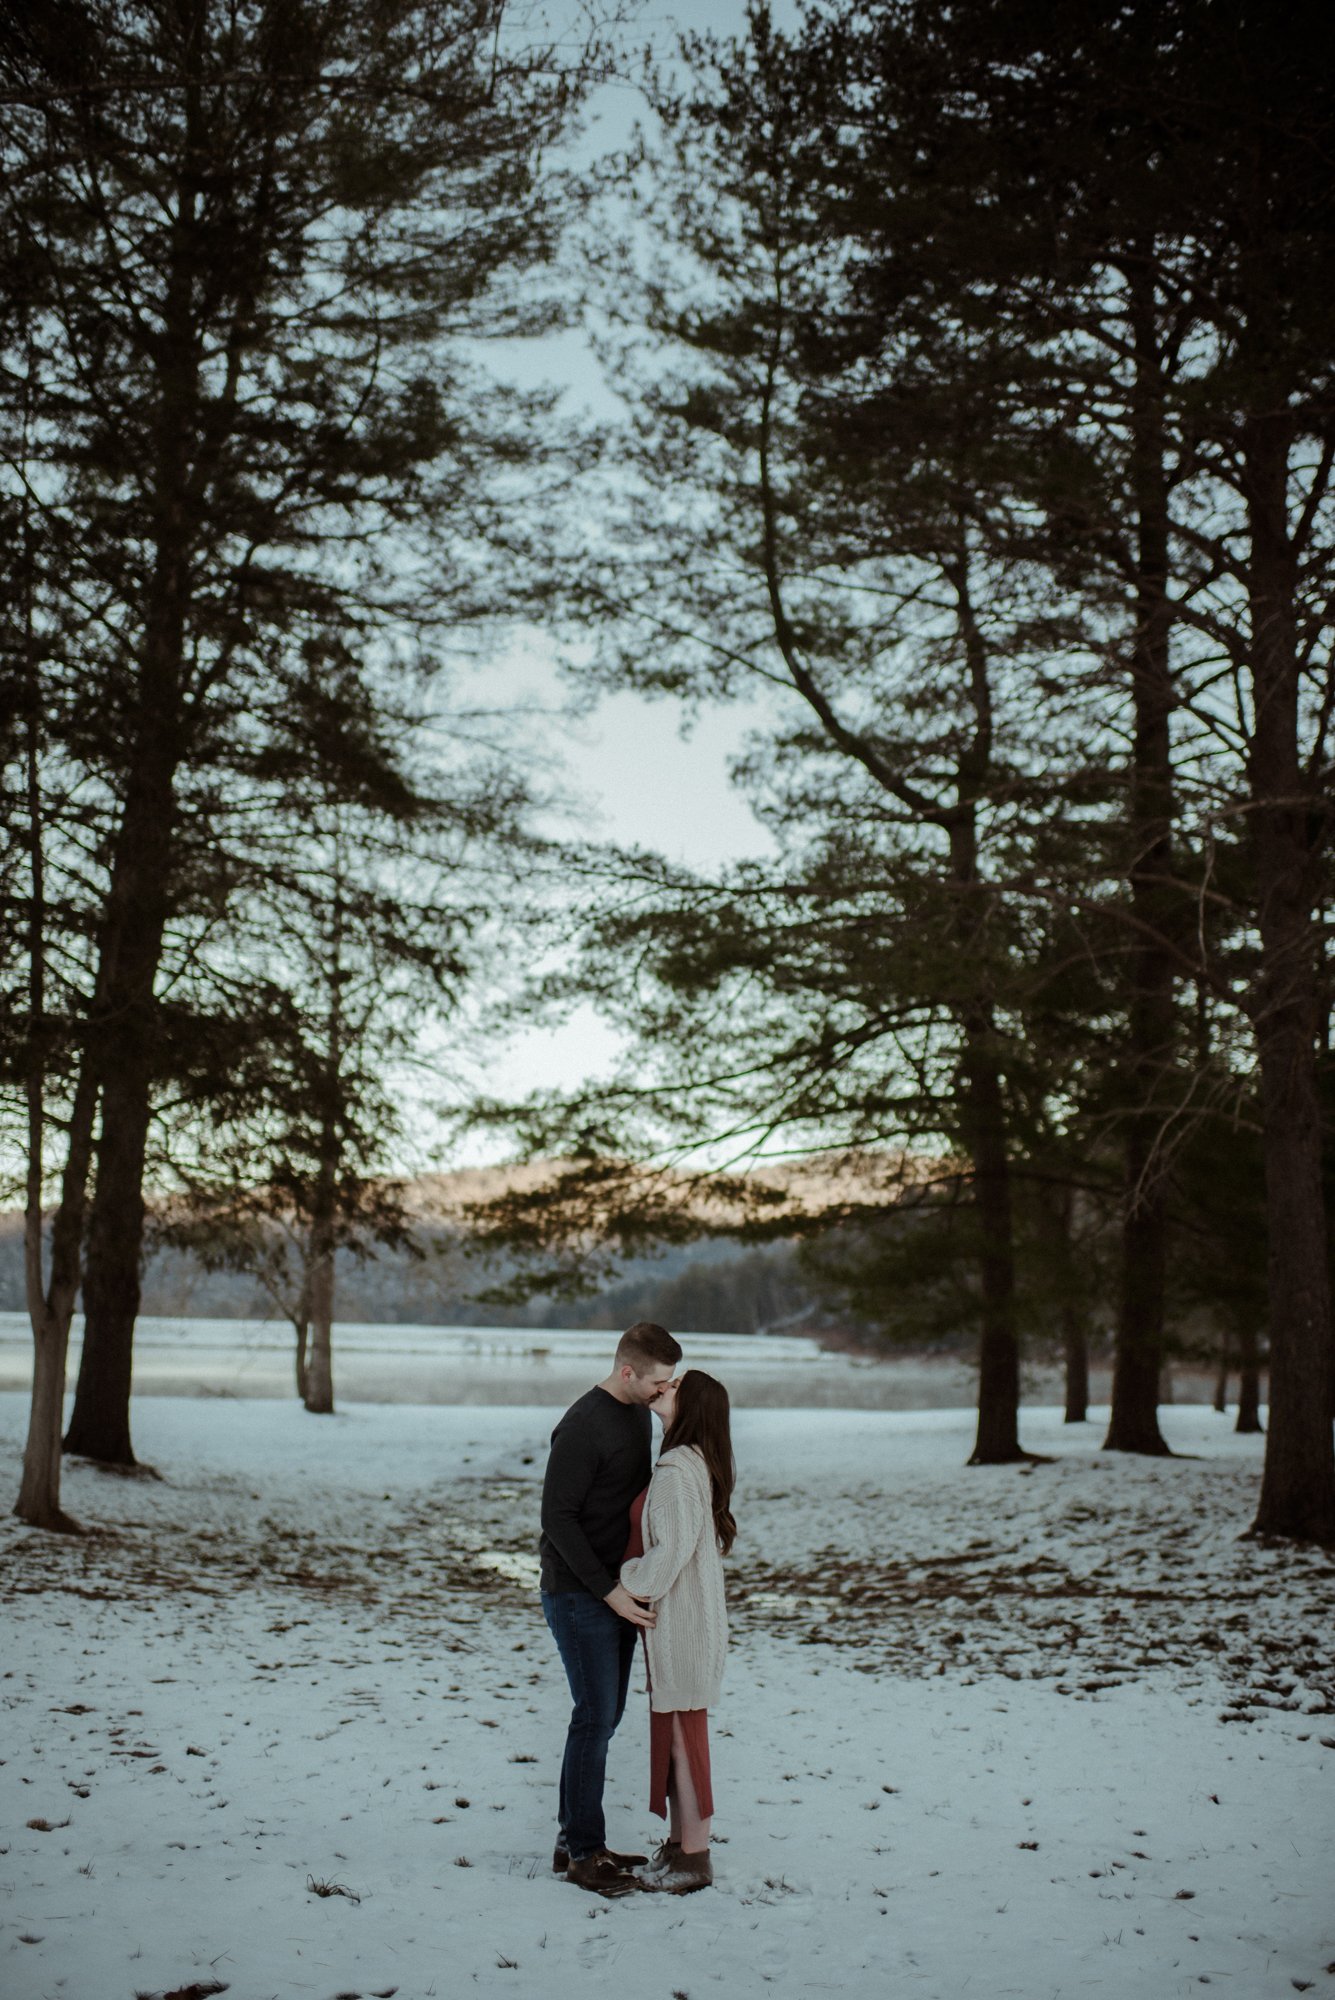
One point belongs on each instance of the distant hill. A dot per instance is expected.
(711, 1285)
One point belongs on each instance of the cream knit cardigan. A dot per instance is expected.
(681, 1573)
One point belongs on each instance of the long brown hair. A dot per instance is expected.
(703, 1417)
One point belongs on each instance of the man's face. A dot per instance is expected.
(646, 1388)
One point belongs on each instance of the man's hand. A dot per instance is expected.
(630, 1608)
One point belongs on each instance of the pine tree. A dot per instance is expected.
(814, 500)
(257, 246)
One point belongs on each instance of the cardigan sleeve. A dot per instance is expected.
(676, 1513)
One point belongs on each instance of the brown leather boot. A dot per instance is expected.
(561, 1859)
(664, 1857)
(682, 1873)
(600, 1874)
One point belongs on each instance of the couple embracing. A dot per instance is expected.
(628, 1558)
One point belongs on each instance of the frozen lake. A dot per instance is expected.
(528, 1365)
(491, 1365)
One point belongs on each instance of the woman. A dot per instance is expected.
(680, 1531)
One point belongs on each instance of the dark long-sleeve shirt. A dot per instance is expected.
(599, 1462)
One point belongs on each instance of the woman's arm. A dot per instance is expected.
(676, 1513)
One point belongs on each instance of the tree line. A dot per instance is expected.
(977, 378)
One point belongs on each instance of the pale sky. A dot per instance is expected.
(632, 779)
(632, 774)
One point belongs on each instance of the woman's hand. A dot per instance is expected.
(665, 1404)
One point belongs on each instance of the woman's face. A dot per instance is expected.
(666, 1404)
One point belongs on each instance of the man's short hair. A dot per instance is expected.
(645, 1346)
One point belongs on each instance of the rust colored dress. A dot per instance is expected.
(694, 1721)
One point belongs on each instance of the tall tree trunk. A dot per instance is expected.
(998, 1437)
(319, 1390)
(982, 1104)
(38, 1502)
(985, 1121)
(124, 1049)
(1134, 1422)
(51, 1308)
(319, 1394)
(302, 1324)
(1298, 1484)
(1075, 1354)
(1221, 1379)
(50, 1304)
(1056, 1214)
(1249, 1382)
(1138, 1363)
(140, 889)
(100, 1421)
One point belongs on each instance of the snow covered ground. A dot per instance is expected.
(1048, 1732)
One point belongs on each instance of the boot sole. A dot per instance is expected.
(561, 1861)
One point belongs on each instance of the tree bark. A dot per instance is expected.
(139, 895)
(1221, 1383)
(1134, 1419)
(1134, 1422)
(319, 1390)
(997, 1441)
(50, 1310)
(124, 1050)
(38, 1502)
(50, 1304)
(100, 1421)
(1298, 1484)
(985, 1122)
(1249, 1384)
(1056, 1214)
(319, 1393)
(1075, 1353)
(303, 1331)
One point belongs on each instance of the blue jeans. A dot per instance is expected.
(596, 1649)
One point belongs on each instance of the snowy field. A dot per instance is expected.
(1050, 1732)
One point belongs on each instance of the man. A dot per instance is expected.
(599, 1463)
